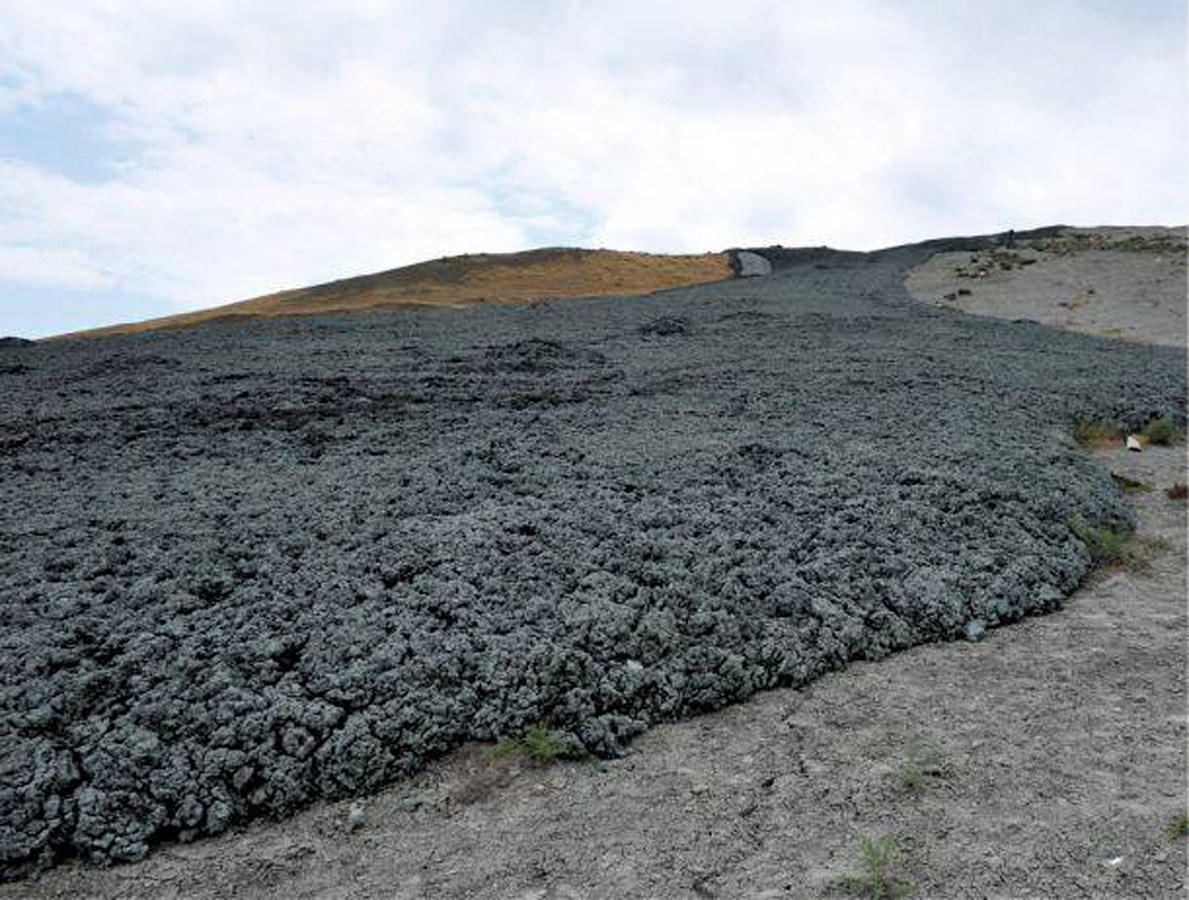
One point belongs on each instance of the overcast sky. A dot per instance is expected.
(161, 156)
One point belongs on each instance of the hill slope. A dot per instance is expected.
(459, 281)
(246, 568)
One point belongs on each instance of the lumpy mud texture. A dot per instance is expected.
(246, 566)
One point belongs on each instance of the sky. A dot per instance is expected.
(159, 156)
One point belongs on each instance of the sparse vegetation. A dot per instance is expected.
(981, 266)
(1160, 431)
(539, 744)
(542, 745)
(1009, 259)
(1179, 491)
(461, 281)
(1140, 244)
(1096, 433)
(1131, 485)
(1107, 546)
(1144, 548)
(504, 748)
(1118, 547)
(919, 769)
(1080, 242)
(1092, 432)
(881, 878)
(1178, 827)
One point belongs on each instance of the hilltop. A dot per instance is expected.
(458, 281)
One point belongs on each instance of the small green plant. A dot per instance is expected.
(539, 744)
(918, 770)
(1160, 431)
(1119, 547)
(1107, 546)
(542, 745)
(504, 748)
(880, 878)
(1179, 491)
(1178, 827)
(1095, 432)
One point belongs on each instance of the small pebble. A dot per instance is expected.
(356, 817)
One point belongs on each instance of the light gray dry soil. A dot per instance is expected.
(247, 568)
(1125, 283)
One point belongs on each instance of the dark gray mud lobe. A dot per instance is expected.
(245, 566)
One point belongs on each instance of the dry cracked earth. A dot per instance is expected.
(298, 570)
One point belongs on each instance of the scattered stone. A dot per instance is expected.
(975, 630)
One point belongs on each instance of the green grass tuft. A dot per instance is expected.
(1119, 547)
(919, 769)
(542, 745)
(880, 878)
(539, 744)
(1107, 546)
(1160, 431)
(504, 748)
(1096, 432)
(1178, 827)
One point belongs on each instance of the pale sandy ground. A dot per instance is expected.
(1050, 758)
(1130, 294)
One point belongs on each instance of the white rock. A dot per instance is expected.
(752, 265)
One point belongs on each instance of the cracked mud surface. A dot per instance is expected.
(246, 569)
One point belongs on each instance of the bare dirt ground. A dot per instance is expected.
(1125, 283)
(1047, 760)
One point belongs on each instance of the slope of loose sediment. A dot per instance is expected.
(460, 281)
(251, 564)
(1120, 282)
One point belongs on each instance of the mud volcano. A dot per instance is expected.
(244, 566)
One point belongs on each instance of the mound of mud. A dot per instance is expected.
(245, 566)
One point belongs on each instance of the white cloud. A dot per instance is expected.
(279, 144)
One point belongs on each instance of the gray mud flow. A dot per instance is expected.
(245, 566)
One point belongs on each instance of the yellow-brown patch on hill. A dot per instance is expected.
(461, 281)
